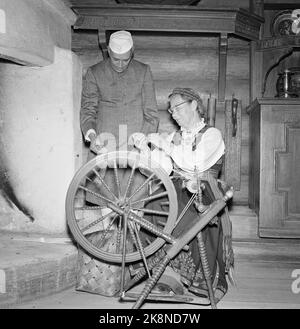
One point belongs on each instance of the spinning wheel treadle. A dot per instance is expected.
(112, 197)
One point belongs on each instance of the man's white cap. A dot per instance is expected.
(120, 42)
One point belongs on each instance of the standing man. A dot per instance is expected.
(118, 97)
(118, 100)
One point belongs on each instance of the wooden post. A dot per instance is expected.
(223, 44)
(103, 43)
(211, 111)
(233, 141)
(257, 7)
(256, 58)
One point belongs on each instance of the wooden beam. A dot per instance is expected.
(211, 111)
(284, 42)
(233, 142)
(102, 39)
(168, 18)
(223, 4)
(256, 58)
(281, 2)
(223, 45)
(257, 7)
(281, 5)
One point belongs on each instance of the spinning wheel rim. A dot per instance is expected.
(127, 156)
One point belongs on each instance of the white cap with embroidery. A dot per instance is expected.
(120, 42)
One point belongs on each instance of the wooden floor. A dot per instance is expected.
(263, 280)
(262, 285)
(259, 286)
(263, 274)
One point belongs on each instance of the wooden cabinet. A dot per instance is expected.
(274, 177)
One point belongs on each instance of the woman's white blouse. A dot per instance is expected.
(208, 151)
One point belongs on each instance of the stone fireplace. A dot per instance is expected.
(40, 139)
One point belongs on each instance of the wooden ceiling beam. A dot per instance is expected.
(168, 19)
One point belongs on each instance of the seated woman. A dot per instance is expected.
(195, 148)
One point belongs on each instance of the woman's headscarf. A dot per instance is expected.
(189, 93)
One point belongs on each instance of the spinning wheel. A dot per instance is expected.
(110, 198)
(122, 207)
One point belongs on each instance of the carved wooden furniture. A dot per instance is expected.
(274, 188)
(274, 133)
(271, 49)
(271, 53)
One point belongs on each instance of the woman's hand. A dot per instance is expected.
(160, 142)
(139, 140)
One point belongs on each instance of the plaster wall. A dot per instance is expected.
(40, 137)
(29, 30)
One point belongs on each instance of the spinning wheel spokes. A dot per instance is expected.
(150, 211)
(130, 179)
(103, 235)
(104, 190)
(100, 181)
(94, 193)
(89, 208)
(100, 219)
(135, 237)
(151, 197)
(119, 237)
(141, 186)
(117, 178)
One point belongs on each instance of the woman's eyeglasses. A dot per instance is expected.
(175, 107)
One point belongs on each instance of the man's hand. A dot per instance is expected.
(97, 144)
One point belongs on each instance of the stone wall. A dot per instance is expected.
(30, 29)
(39, 109)
(40, 86)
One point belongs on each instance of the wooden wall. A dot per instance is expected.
(189, 60)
